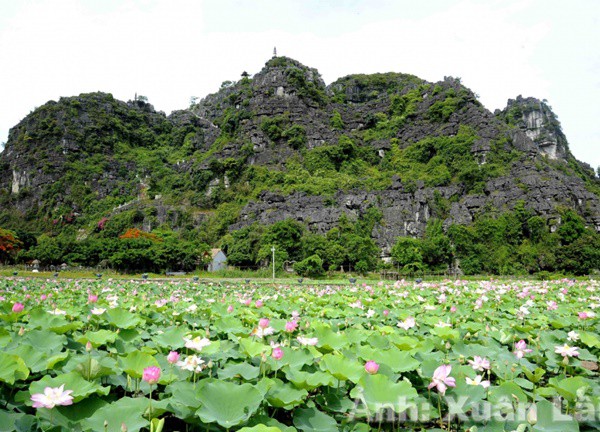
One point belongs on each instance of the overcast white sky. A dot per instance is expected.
(170, 50)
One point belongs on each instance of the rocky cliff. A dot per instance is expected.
(281, 144)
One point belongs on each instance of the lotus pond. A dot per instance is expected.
(114, 355)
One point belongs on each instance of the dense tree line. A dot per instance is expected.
(510, 243)
(516, 242)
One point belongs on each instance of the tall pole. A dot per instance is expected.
(273, 250)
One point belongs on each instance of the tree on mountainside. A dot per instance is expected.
(9, 245)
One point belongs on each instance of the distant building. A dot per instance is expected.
(218, 260)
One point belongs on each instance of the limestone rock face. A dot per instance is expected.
(67, 155)
(536, 119)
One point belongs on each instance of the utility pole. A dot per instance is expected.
(273, 250)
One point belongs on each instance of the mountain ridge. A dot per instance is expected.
(282, 145)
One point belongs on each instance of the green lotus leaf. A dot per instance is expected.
(8, 419)
(405, 343)
(97, 338)
(12, 368)
(296, 358)
(377, 392)
(313, 420)
(335, 400)
(123, 319)
(186, 393)
(213, 348)
(446, 333)
(231, 325)
(130, 335)
(397, 360)
(550, 340)
(507, 392)
(342, 367)
(260, 428)
(264, 420)
(308, 380)
(550, 419)
(96, 366)
(379, 342)
(44, 340)
(534, 376)
(590, 339)
(285, 395)
(235, 370)
(472, 350)
(17, 422)
(228, 404)
(263, 385)
(569, 388)
(356, 335)
(329, 339)
(71, 381)
(135, 363)
(37, 360)
(466, 397)
(171, 337)
(254, 348)
(523, 383)
(5, 337)
(55, 323)
(125, 411)
(71, 417)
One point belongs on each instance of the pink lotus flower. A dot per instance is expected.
(307, 341)
(263, 323)
(43, 297)
(291, 326)
(480, 363)
(92, 298)
(552, 305)
(478, 381)
(263, 331)
(196, 343)
(407, 323)
(52, 397)
(151, 374)
(566, 351)
(441, 379)
(18, 307)
(230, 309)
(386, 312)
(586, 315)
(371, 367)
(277, 353)
(258, 303)
(453, 309)
(521, 349)
(173, 357)
(191, 363)
(248, 302)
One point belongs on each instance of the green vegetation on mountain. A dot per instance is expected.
(338, 176)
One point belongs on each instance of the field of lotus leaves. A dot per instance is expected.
(116, 355)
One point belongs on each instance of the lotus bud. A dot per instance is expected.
(88, 346)
(21, 331)
(123, 427)
(532, 415)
